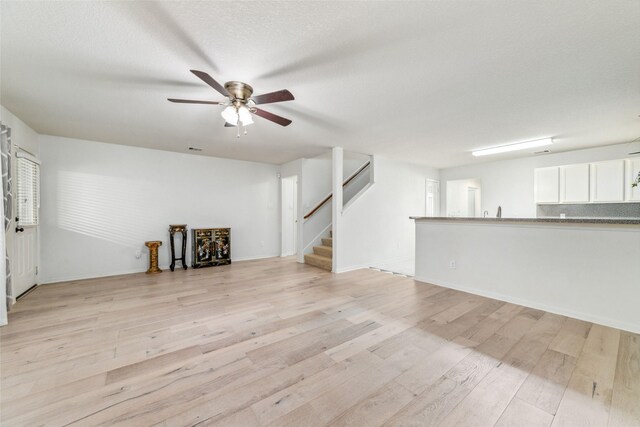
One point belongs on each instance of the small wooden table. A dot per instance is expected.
(153, 256)
(173, 229)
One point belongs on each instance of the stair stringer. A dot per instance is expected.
(317, 240)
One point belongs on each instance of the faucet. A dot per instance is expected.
(499, 214)
(485, 214)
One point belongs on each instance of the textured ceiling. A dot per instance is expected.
(424, 82)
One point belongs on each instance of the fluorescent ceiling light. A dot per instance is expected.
(514, 147)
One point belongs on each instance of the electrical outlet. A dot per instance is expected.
(452, 264)
(138, 254)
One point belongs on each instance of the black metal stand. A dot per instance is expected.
(173, 229)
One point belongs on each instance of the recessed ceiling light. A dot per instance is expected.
(514, 147)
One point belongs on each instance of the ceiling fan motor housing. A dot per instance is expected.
(239, 91)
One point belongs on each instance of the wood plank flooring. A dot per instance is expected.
(277, 343)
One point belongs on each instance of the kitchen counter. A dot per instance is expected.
(626, 221)
(586, 268)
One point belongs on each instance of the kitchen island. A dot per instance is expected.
(586, 268)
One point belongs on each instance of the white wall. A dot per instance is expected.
(376, 229)
(585, 271)
(509, 183)
(101, 202)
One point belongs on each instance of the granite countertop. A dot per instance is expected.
(540, 219)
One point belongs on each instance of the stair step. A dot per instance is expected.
(318, 261)
(327, 242)
(326, 251)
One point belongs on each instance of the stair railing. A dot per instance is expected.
(344, 184)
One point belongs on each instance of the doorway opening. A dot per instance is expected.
(432, 198)
(289, 215)
(464, 198)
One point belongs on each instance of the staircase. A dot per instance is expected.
(322, 256)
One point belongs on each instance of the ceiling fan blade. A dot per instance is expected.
(229, 125)
(274, 118)
(191, 101)
(268, 98)
(211, 82)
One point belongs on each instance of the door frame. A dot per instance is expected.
(20, 152)
(283, 208)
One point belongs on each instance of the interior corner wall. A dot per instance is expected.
(509, 183)
(376, 228)
(101, 202)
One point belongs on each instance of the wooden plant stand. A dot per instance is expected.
(153, 256)
(173, 229)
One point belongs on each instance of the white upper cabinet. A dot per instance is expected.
(547, 185)
(633, 168)
(607, 181)
(574, 183)
(598, 182)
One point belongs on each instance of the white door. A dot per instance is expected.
(289, 215)
(432, 198)
(27, 206)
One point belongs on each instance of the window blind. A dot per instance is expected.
(28, 192)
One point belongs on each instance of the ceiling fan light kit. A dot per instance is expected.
(240, 105)
(513, 147)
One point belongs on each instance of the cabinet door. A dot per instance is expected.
(574, 183)
(546, 185)
(633, 168)
(607, 181)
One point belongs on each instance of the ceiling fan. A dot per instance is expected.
(241, 104)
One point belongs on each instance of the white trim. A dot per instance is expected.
(254, 258)
(317, 239)
(23, 154)
(352, 268)
(540, 306)
(163, 267)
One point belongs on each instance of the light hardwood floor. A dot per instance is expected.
(273, 342)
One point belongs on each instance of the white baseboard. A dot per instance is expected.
(133, 271)
(73, 278)
(614, 323)
(351, 268)
(254, 258)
